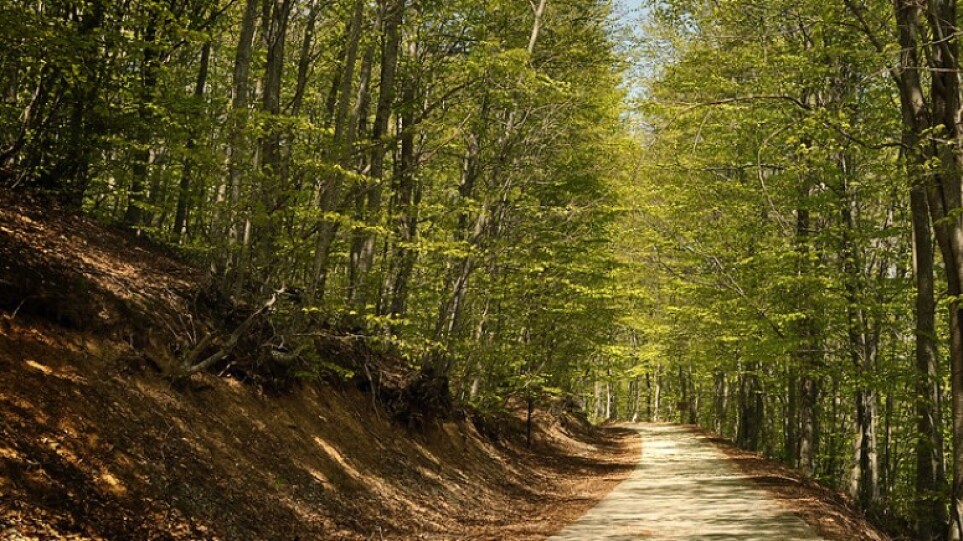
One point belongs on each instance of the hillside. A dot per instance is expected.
(98, 442)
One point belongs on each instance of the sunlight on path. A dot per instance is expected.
(685, 488)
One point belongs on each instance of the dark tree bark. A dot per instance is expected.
(930, 469)
(791, 442)
(305, 57)
(69, 177)
(720, 395)
(183, 194)
(944, 199)
(272, 186)
(942, 186)
(805, 356)
(748, 434)
(141, 157)
(407, 197)
(862, 347)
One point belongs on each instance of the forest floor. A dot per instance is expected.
(690, 486)
(97, 443)
(92, 449)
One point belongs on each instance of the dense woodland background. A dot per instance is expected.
(436, 174)
(745, 214)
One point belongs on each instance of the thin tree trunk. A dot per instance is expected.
(750, 409)
(304, 58)
(357, 194)
(407, 196)
(930, 474)
(598, 400)
(694, 399)
(272, 176)
(792, 417)
(451, 308)
(865, 473)
(805, 354)
(648, 397)
(237, 137)
(363, 253)
(141, 157)
(183, 194)
(719, 405)
(657, 400)
(330, 194)
(637, 399)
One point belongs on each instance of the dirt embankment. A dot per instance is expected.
(95, 443)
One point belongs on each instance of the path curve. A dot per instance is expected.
(686, 488)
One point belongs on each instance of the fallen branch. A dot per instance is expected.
(191, 363)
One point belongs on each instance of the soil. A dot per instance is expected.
(97, 443)
(829, 512)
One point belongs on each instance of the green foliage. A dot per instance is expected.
(473, 233)
(769, 235)
(491, 197)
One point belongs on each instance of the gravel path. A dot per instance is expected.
(685, 488)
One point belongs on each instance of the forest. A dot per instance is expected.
(737, 214)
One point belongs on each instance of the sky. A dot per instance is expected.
(631, 13)
(635, 4)
(633, 7)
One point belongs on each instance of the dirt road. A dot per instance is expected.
(685, 488)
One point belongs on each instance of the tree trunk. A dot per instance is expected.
(407, 199)
(304, 58)
(598, 400)
(141, 157)
(648, 398)
(930, 475)
(750, 409)
(792, 418)
(694, 398)
(683, 405)
(363, 251)
(657, 399)
(69, 176)
(237, 146)
(805, 355)
(636, 399)
(945, 209)
(272, 177)
(330, 192)
(865, 475)
(719, 404)
(943, 185)
(862, 349)
(183, 194)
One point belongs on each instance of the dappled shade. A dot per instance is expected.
(686, 489)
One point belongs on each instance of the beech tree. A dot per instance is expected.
(747, 218)
(435, 176)
(796, 178)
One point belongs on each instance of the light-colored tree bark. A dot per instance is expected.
(238, 151)
(330, 191)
